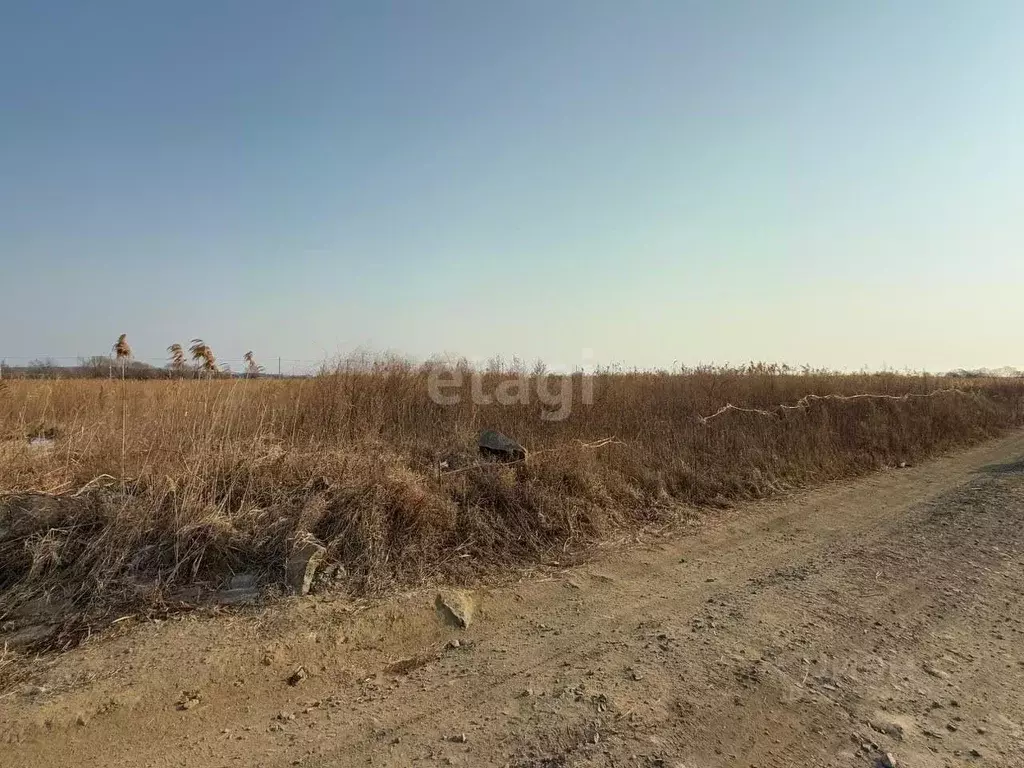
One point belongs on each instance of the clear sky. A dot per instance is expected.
(834, 183)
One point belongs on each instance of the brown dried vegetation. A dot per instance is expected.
(209, 478)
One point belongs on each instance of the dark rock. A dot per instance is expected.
(494, 445)
(298, 676)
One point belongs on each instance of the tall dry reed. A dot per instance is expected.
(211, 478)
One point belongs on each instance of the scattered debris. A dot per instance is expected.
(298, 676)
(188, 700)
(456, 460)
(305, 555)
(42, 444)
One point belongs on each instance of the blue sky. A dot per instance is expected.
(837, 183)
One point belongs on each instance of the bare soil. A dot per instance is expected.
(827, 628)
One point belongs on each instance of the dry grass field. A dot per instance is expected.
(144, 486)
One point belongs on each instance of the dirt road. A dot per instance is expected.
(826, 629)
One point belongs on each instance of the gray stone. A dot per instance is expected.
(242, 581)
(242, 596)
(493, 444)
(241, 589)
(895, 730)
(304, 557)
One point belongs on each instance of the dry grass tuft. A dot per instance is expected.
(122, 351)
(252, 368)
(210, 478)
(202, 354)
(176, 359)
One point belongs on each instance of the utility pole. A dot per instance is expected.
(279, 367)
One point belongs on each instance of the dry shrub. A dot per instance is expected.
(219, 474)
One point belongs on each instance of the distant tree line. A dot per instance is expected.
(95, 367)
(195, 361)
